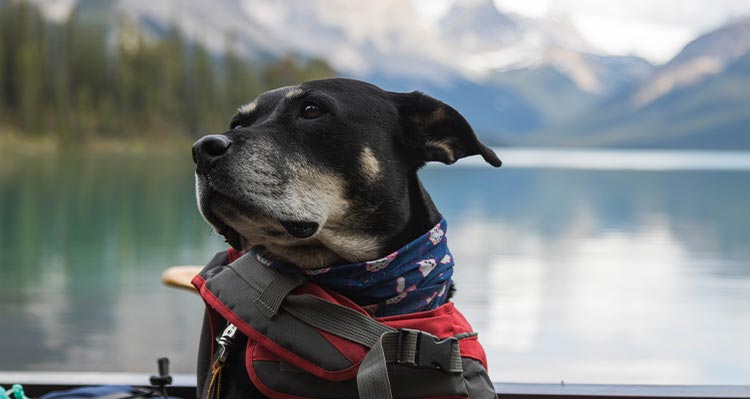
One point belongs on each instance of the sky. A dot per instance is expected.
(653, 29)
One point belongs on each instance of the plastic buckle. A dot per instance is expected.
(433, 352)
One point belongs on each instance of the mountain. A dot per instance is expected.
(700, 99)
(488, 41)
(473, 58)
(498, 112)
(357, 38)
(705, 56)
(518, 80)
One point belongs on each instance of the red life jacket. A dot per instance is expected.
(297, 348)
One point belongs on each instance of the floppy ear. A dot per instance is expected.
(437, 132)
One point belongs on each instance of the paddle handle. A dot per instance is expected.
(180, 276)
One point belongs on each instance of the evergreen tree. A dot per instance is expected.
(241, 80)
(70, 81)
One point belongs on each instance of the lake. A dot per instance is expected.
(582, 266)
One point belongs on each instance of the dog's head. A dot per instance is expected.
(326, 172)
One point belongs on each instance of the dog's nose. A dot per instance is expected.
(209, 148)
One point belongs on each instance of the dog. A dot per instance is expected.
(325, 173)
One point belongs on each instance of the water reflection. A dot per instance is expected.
(626, 277)
(84, 241)
(586, 276)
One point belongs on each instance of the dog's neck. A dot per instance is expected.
(424, 267)
(422, 215)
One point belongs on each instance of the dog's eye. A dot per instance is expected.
(237, 127)
(312, 111)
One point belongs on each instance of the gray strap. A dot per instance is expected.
(273, 286)
(271, 298)
(401, 352)
(372, 376)
(411, 347)
(336, 319)
(253, 272)
(316, 312)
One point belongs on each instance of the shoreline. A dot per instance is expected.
(20, 145)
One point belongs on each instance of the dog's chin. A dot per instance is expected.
(231, 236)
(243, 225)
(218, 209)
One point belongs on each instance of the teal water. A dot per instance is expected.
(572, 273)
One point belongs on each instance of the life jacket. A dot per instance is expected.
(304, 341)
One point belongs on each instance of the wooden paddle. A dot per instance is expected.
(180, 276)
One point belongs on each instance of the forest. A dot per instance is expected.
(76, 81)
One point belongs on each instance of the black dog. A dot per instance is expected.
(325, 173)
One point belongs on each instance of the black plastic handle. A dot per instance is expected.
(163, 366)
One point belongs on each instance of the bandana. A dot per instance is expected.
(414, 278)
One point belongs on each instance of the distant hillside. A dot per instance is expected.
(712, 114)
(703, 57)
(700, 99)
(499, 113)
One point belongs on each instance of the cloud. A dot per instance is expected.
(653, 30)
(653, 41)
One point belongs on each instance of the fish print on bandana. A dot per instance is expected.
(408, 280)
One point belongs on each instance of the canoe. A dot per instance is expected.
(183, 386)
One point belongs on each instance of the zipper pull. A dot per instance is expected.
(224, 342)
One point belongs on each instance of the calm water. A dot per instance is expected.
(582, 275)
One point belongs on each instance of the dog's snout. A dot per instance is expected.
(209, 148)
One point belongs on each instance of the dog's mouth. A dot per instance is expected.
(301, 229)
(213, 205)
(220, 209)
(231, 236)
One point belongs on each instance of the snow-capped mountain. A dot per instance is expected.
(700, 99)
(473, 40)
(510, 75)
(703, 57)
(357, 38)
(488, 40)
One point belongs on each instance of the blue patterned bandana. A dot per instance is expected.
(415, 278)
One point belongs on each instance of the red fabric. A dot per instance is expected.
(257, 352)
(443, 322)
(233, 255)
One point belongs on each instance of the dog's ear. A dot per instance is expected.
(437, 132)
